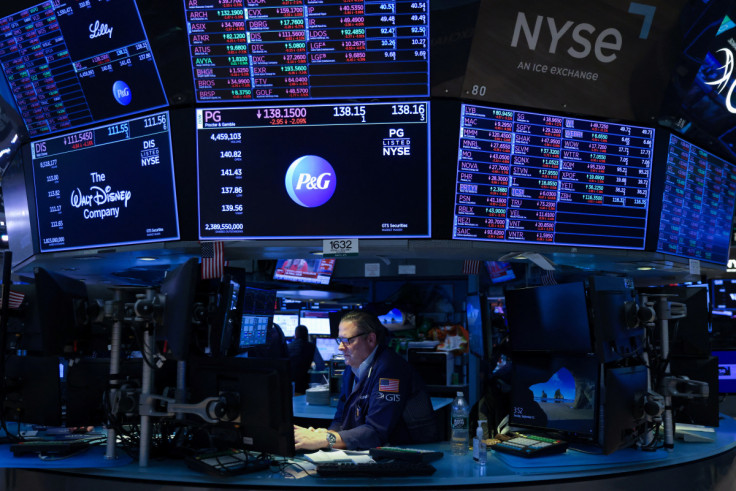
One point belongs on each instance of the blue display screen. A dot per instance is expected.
(253, 330)
(726, 371)
(312, 171)
(546, 179)
(108, 185)
(255, 50)
(697, 205)
(70, 64)
(557, 393)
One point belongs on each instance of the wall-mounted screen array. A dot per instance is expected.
(697, 205)
(539, 178)
(257, 50)
(108, 185)
(74, 63)
(314, 171)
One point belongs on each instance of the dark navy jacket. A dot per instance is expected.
(389, 406)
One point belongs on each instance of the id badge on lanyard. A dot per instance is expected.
(362, 397)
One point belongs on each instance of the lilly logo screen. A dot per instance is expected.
(310, 181)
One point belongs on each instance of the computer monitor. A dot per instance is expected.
(726, 371)
(287, 320)
(689, 336)
(723, 313)
(617, 333)
(253, 330)
(302, 162)
(66, 68)
(6, 263)
(313, 271)
(697, 204)
(106, 186)
(258, 413)
(556, 393)
(87, 386)
(59, 323)
(478, 321)
(335, 318)
(20, 211)
(333, 51)
(327, 348)
(723, 297)
(316, 321)
(700, 409)
(497, 305)
(259, 301)
(13, 132)
(226, 310)
(32, 390)
(533, 178)
(538, 323)
(500, 271)
(394, 319)
(622, 407)
(179, 288)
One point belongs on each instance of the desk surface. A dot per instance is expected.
(304, 410)
(571, 467)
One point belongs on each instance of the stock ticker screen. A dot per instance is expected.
(697, 205)
(70, 64)
(311, 171)
(539, 178)
(109, 185)
(288, 49)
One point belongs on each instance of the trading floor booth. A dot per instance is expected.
(592, 391)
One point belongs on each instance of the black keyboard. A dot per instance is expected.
(378, 469)
(531, 446)
(59, 448)
(405, 454)
(225, 463)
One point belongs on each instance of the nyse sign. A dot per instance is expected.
(581, 38)
(576, 56)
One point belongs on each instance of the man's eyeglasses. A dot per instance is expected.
(347, 341)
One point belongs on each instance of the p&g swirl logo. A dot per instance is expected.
(310, 181)
(121, 92)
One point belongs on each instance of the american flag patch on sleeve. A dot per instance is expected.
(388, 385)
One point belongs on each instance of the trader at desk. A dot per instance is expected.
(383, 400)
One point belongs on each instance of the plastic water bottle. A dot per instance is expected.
(459, 426)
